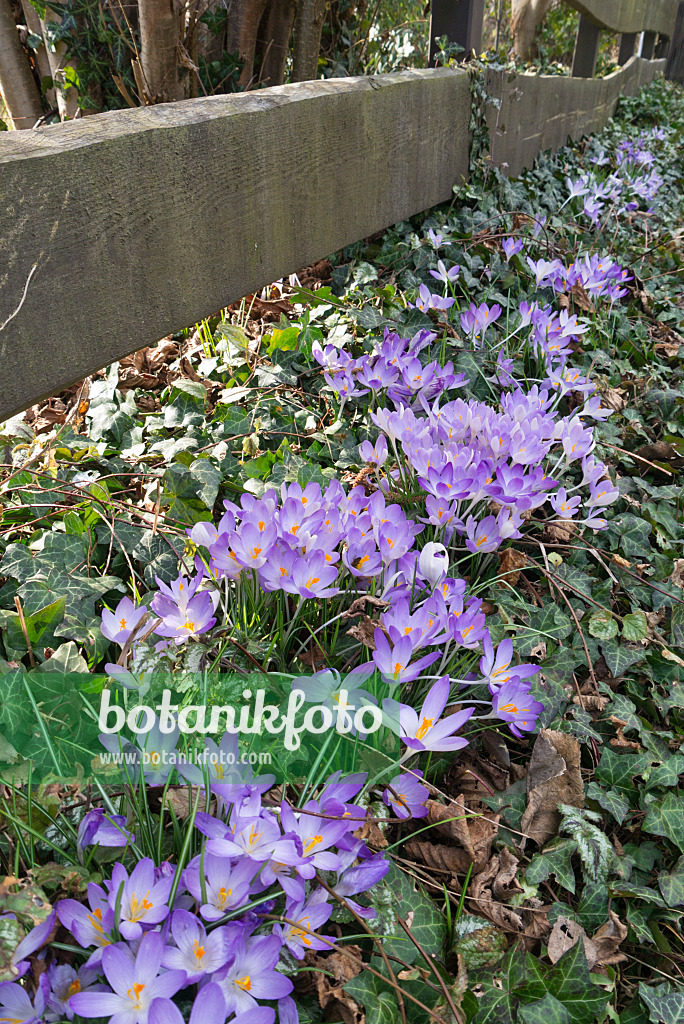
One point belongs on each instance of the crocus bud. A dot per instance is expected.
(433, 562)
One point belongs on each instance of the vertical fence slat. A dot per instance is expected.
(627, 44)
(586, 49)
(460, 21)
(675, 59)
(648, 45)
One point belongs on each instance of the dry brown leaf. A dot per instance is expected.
(553, 777)
(331, 995)
(620, 740)
(453, 860)
(364, 632)
(481, 891)
(564, 935)
(607, 940)
(619, 560)
(614, 398)
(677, 576)
(591, 702)
(602, 949)
(474, 833)
(510, 564)
(561, 531)
(370, 832)
(505, 884)
(580, 298)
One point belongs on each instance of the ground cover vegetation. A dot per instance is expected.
(438, 473)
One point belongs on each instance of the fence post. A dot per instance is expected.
(586, 49)
(627, 42)
(648, 45)
(460, 21)
(675, 58)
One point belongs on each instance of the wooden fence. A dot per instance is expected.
(121, 228)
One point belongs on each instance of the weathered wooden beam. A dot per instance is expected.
(648, 45)
(144, 221)
(629, 15)
(460, 21)
(627, 44)
(586, 49)
(540, 112)
(675, 57)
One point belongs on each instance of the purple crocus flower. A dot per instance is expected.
(393, 662)
(497, 669)
(424, 730)
(135, 984)
(195, 952)
(513, 704)
(90, 926)
(209, 1008)
(251, 976)
(311, 577)
(316, 836)
(376, 454)
(253, 838)
(482, 536)
(119, 624)
(408, 796)
(31, 943)
(143, 897)
(307, 917)
(16, 1005)
(99, 829)
(182, 622)
(511, 246)
(65, 982)
(444, 275)
(360, 878)
(226, 884)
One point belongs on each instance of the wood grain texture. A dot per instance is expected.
(143, 221)
(630, 15)
(541, 112)
(675, 58)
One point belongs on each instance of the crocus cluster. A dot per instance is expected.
(214, 933)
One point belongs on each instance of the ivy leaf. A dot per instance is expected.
(666, 818)
(554, 860)
(610, 800)
(14, 709)
(633, 534)
(602, 625)
(575, 578)
(672, 885)
(498, 1002)
(40, 626)
(208, 478)
(664, 1006)
(570, 983)
(428, 925)
(545, 1011)
(618, 770)
(634, 626)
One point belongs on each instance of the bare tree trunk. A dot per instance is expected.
(19, 90)
(161, 31)
(307, 39)
(273, 40)
(67, 97)
(527, 14)
(244, 17)
(34, 25)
